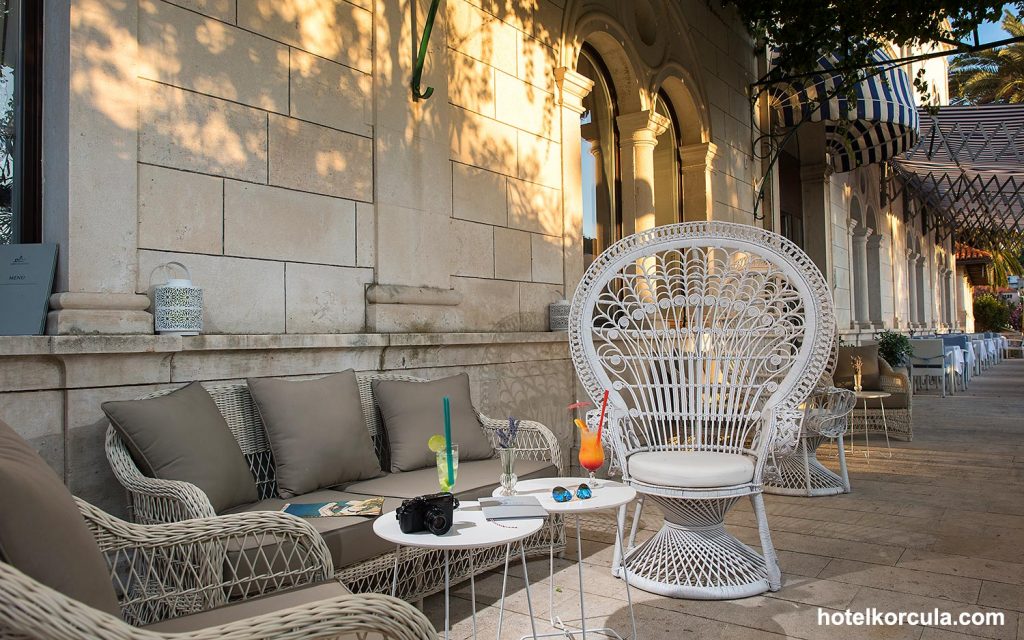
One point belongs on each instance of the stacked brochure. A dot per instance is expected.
(512, 508)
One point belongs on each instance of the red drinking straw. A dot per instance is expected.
(600, 423)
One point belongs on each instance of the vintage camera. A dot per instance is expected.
(431, 513)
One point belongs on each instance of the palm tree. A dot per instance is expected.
(993, 75)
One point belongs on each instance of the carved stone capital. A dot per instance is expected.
(572, 88)
(697, 156)
(641, 128)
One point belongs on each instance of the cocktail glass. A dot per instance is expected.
(442, 468)
(591, 454)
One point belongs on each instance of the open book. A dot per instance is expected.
(369, 507)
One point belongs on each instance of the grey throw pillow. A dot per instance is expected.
(42, 533)
(183, 436)
(413, 411)
(316, 431)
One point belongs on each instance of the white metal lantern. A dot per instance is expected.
(558, 316)
(177, 304)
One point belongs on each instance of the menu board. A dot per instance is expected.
(26, 280)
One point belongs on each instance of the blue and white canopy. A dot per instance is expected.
(881, 123)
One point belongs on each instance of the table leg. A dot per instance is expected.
(867, 442)
(579, 567)
(526, 581)
(394, 578)
(472, 590)
(447, 598)
(885, 426)
(504, 581)
(625, 577)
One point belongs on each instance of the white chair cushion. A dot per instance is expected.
(696, 469)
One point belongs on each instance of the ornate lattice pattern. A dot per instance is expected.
(154, 501)
(709, 337)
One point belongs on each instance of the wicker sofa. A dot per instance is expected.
(362, 561)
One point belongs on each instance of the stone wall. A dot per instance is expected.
(51, 388)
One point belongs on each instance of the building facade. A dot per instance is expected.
(274, 147)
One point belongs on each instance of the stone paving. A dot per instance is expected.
(939, 525)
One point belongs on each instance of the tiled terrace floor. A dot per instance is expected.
(939, 525)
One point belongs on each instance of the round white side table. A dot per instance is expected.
(607, 495)
(864, 396)
(470, 530)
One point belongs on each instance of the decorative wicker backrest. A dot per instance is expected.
(701, 331)
(239, 411)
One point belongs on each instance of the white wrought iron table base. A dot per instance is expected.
(802, 474)
(885, 424)
(472, 590)
(564, 630)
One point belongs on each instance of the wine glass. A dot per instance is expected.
(442, 468)
(591, 454)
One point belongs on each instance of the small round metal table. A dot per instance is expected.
(470, 530)
(607, 495)
(864, 396)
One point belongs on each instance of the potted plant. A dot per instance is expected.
(895, 348)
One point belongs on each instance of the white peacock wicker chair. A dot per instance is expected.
(709, 336)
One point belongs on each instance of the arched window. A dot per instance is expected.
(599, 160)
(668, 175)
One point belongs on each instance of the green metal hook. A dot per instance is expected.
(417, 72)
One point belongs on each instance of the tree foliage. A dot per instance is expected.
(993, 75)
(803, 30)
(990, 313)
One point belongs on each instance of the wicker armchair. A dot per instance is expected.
(162, 572)
(898, 407)
(161, 501)
(71, 571)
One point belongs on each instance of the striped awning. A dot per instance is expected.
(969, 167)
(880, 124)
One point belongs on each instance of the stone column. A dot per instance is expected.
(638, 135)
(572, 89)
(816, 191)
(860, 279)
(913, 317)
(922, 316)
(90, 193)
(878, 246)
(696, 161)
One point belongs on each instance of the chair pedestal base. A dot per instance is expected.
(801, 474)
(693, 556)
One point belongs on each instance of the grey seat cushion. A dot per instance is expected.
(183, 436)
(42, 532)
(869, 374)
(316, 430)
(412, 412)
(350, 539)
(476, 479)
(254, 607)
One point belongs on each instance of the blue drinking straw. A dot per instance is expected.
(448, 439)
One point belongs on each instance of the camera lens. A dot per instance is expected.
(437, 521)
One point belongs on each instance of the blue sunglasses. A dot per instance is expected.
(561, 494)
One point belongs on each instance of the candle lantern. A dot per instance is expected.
(177, 303)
